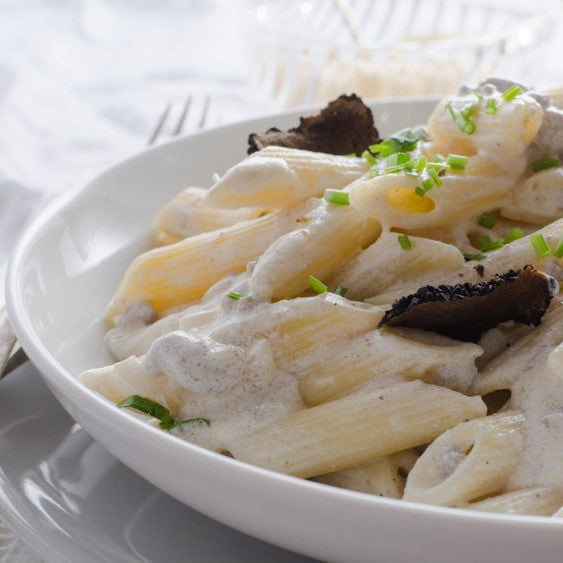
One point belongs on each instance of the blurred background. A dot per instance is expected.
(84, 83)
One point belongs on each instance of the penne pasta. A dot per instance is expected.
(471, 460)
(356, 428)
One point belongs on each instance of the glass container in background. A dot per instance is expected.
(310, 51)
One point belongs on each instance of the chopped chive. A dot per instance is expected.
(366, 155)
(457, 161)
(491, 106)
(420, 191)
(235, 295)
(420, 165)
(351, 154)
(317, 285)
(478, 95)
(558, 251)
(511, 93)
(342, 291)
(487, 220)
(427, 184)
(150, 407)
(434, 175)
(394, 169)
(468, 111)
(198, 421)
(215, 177)
(469, 256)
(403, 157)
(494, 245)
(438, 166)
(451, 110)
(373, 172)
(514, 234)
(337, 197)
(545, 163)
(539, 244)
(404, 242)
(466, 126)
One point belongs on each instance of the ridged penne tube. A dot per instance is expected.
(385, 262)
(356, 429)
(349, 363)
(296, 327)
(123, 379)
(384, 476)
(471, 460)
(530, 351)
(333, 234)
(537, 501)
(279, 177)
(538, 199)
(174, 275)
(186, 216)
(123, 342)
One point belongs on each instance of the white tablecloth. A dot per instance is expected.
(83, 83)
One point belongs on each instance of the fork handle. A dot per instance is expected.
(11, 353)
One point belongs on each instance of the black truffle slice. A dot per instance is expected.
(464, 311)
(345, 126)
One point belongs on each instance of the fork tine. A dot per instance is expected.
(160, 124)
(204, 112)
(181, 121)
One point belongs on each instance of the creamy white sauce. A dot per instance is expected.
(538, 393)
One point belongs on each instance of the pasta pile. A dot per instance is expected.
(252, 326)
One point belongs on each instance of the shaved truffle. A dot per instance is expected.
(345, 126)
(464, 311)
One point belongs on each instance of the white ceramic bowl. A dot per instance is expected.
(63, 273)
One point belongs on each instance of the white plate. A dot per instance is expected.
(63, 273)
(70, 500)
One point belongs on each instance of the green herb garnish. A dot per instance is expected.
(434, 175)
(158, 411)
(487, 220)
(367, 156)
(514, 234)
(457, 161)
(491, 106)
(401, 141)
(337, 197)
(539, 244)
(512, 93)
(469, 256)
(545, 163)
(558, 251)
(342, 291)
(235, 295)
(486, 244)
(317, 285)
(404, 242)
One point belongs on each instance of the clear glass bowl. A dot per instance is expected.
(310, 51)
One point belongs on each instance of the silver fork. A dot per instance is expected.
(12, 354)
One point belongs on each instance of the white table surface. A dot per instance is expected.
(83, 83)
